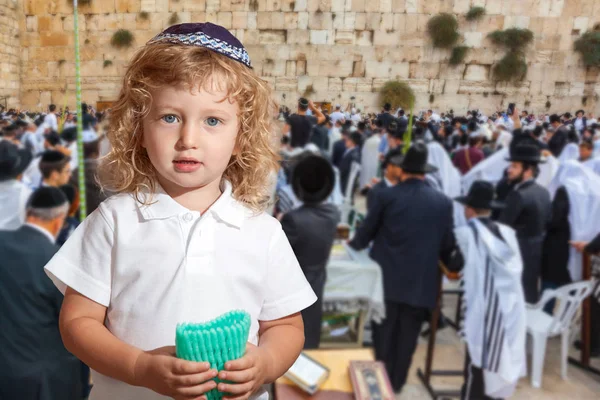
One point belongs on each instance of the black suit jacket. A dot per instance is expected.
(411, 228)
(34, 363)
(528, 210)
(337, 153)
(593, 247)
(346, 165)
(311, 230)
(558, 141)
(374, 191)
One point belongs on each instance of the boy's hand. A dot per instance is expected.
(159, 370)
(248, 374)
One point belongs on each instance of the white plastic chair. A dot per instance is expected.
(347, 206)
(541, 326)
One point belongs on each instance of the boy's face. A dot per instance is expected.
(585, 152)
(190, 136)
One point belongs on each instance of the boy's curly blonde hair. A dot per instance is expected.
(127, 168)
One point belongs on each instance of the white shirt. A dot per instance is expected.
(336, 116)
(13, 198)
(159, 265)
(51, 121)
(32, 176)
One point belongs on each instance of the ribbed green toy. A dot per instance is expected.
(218, 341)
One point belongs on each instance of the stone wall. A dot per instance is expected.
(334, 48)
(9, 53)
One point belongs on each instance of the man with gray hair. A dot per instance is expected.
(34, 363)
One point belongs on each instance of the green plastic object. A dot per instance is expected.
(218, 341)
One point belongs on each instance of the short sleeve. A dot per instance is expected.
(84, 262)
(287, 290)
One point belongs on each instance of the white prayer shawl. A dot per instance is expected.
(583, 189)
(570, 152)
(446, 179)
(494, 320)
(593, 164)
(369, 160)
(492, 169)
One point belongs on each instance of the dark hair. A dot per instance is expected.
(53, 138)
(545, 125)
(21, 124)
(69, 134)
(587, 143)
(46, 168)
(580, 111)
(538, 131)
(285, 140)
(84, 108)
(401, 113)
(92, 148)
(464, 139)
(524, 111)
(361, 126)
(52, 107)
(533, 167)
(379, 123)
(10, 130)
(472, 126)
(554, 118)
(388, 157)
(474, 141)
(387, 106)
(303, 104)
(356, 138)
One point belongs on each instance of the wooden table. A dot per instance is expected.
(337, 386)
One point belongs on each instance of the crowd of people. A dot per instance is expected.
(512, 200)
(509, 186)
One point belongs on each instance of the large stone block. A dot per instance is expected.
(477, 72)
(272, 37)
(50, 39)
(383, 38)
(320, 21)
(319, 36)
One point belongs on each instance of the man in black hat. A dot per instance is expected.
(386, 117)
(411, 227)
(36, 364)
(299, 126)
(494, 318)
(528, 211)
(311, 230)
(560, 138)
(580, 121)
(13, 193)
(391, 175)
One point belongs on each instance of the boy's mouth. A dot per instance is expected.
(186, 164)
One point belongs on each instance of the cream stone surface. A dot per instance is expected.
(342, 48)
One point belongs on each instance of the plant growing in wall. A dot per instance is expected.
(107, 63)
(398, 94)
(443, 30)
(309, 91)
(458, 55)
(122, 39)
(588, 45)
(475, 13)
(174, 19)
(144, 15)
(513, 66)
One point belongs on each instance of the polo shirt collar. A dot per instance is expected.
(226, 209)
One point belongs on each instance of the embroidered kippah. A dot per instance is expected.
(207, 35)
(218, 341)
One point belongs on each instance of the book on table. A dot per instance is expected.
(370, 381)
(308, 373)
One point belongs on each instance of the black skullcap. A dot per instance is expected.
(69, 134)
(52, 156)
(47, 197)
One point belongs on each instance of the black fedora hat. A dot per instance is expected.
(313, 179)
(415, 160)
(13, 161)
(526, 152)
(481, 196)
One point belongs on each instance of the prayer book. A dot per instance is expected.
(370, 381)
(308, 373)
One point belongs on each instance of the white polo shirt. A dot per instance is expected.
(158, 265)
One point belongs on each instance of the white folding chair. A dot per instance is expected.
(347, 206)
(541, 326)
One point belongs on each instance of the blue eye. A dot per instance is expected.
(169, 119)
(212, 121)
